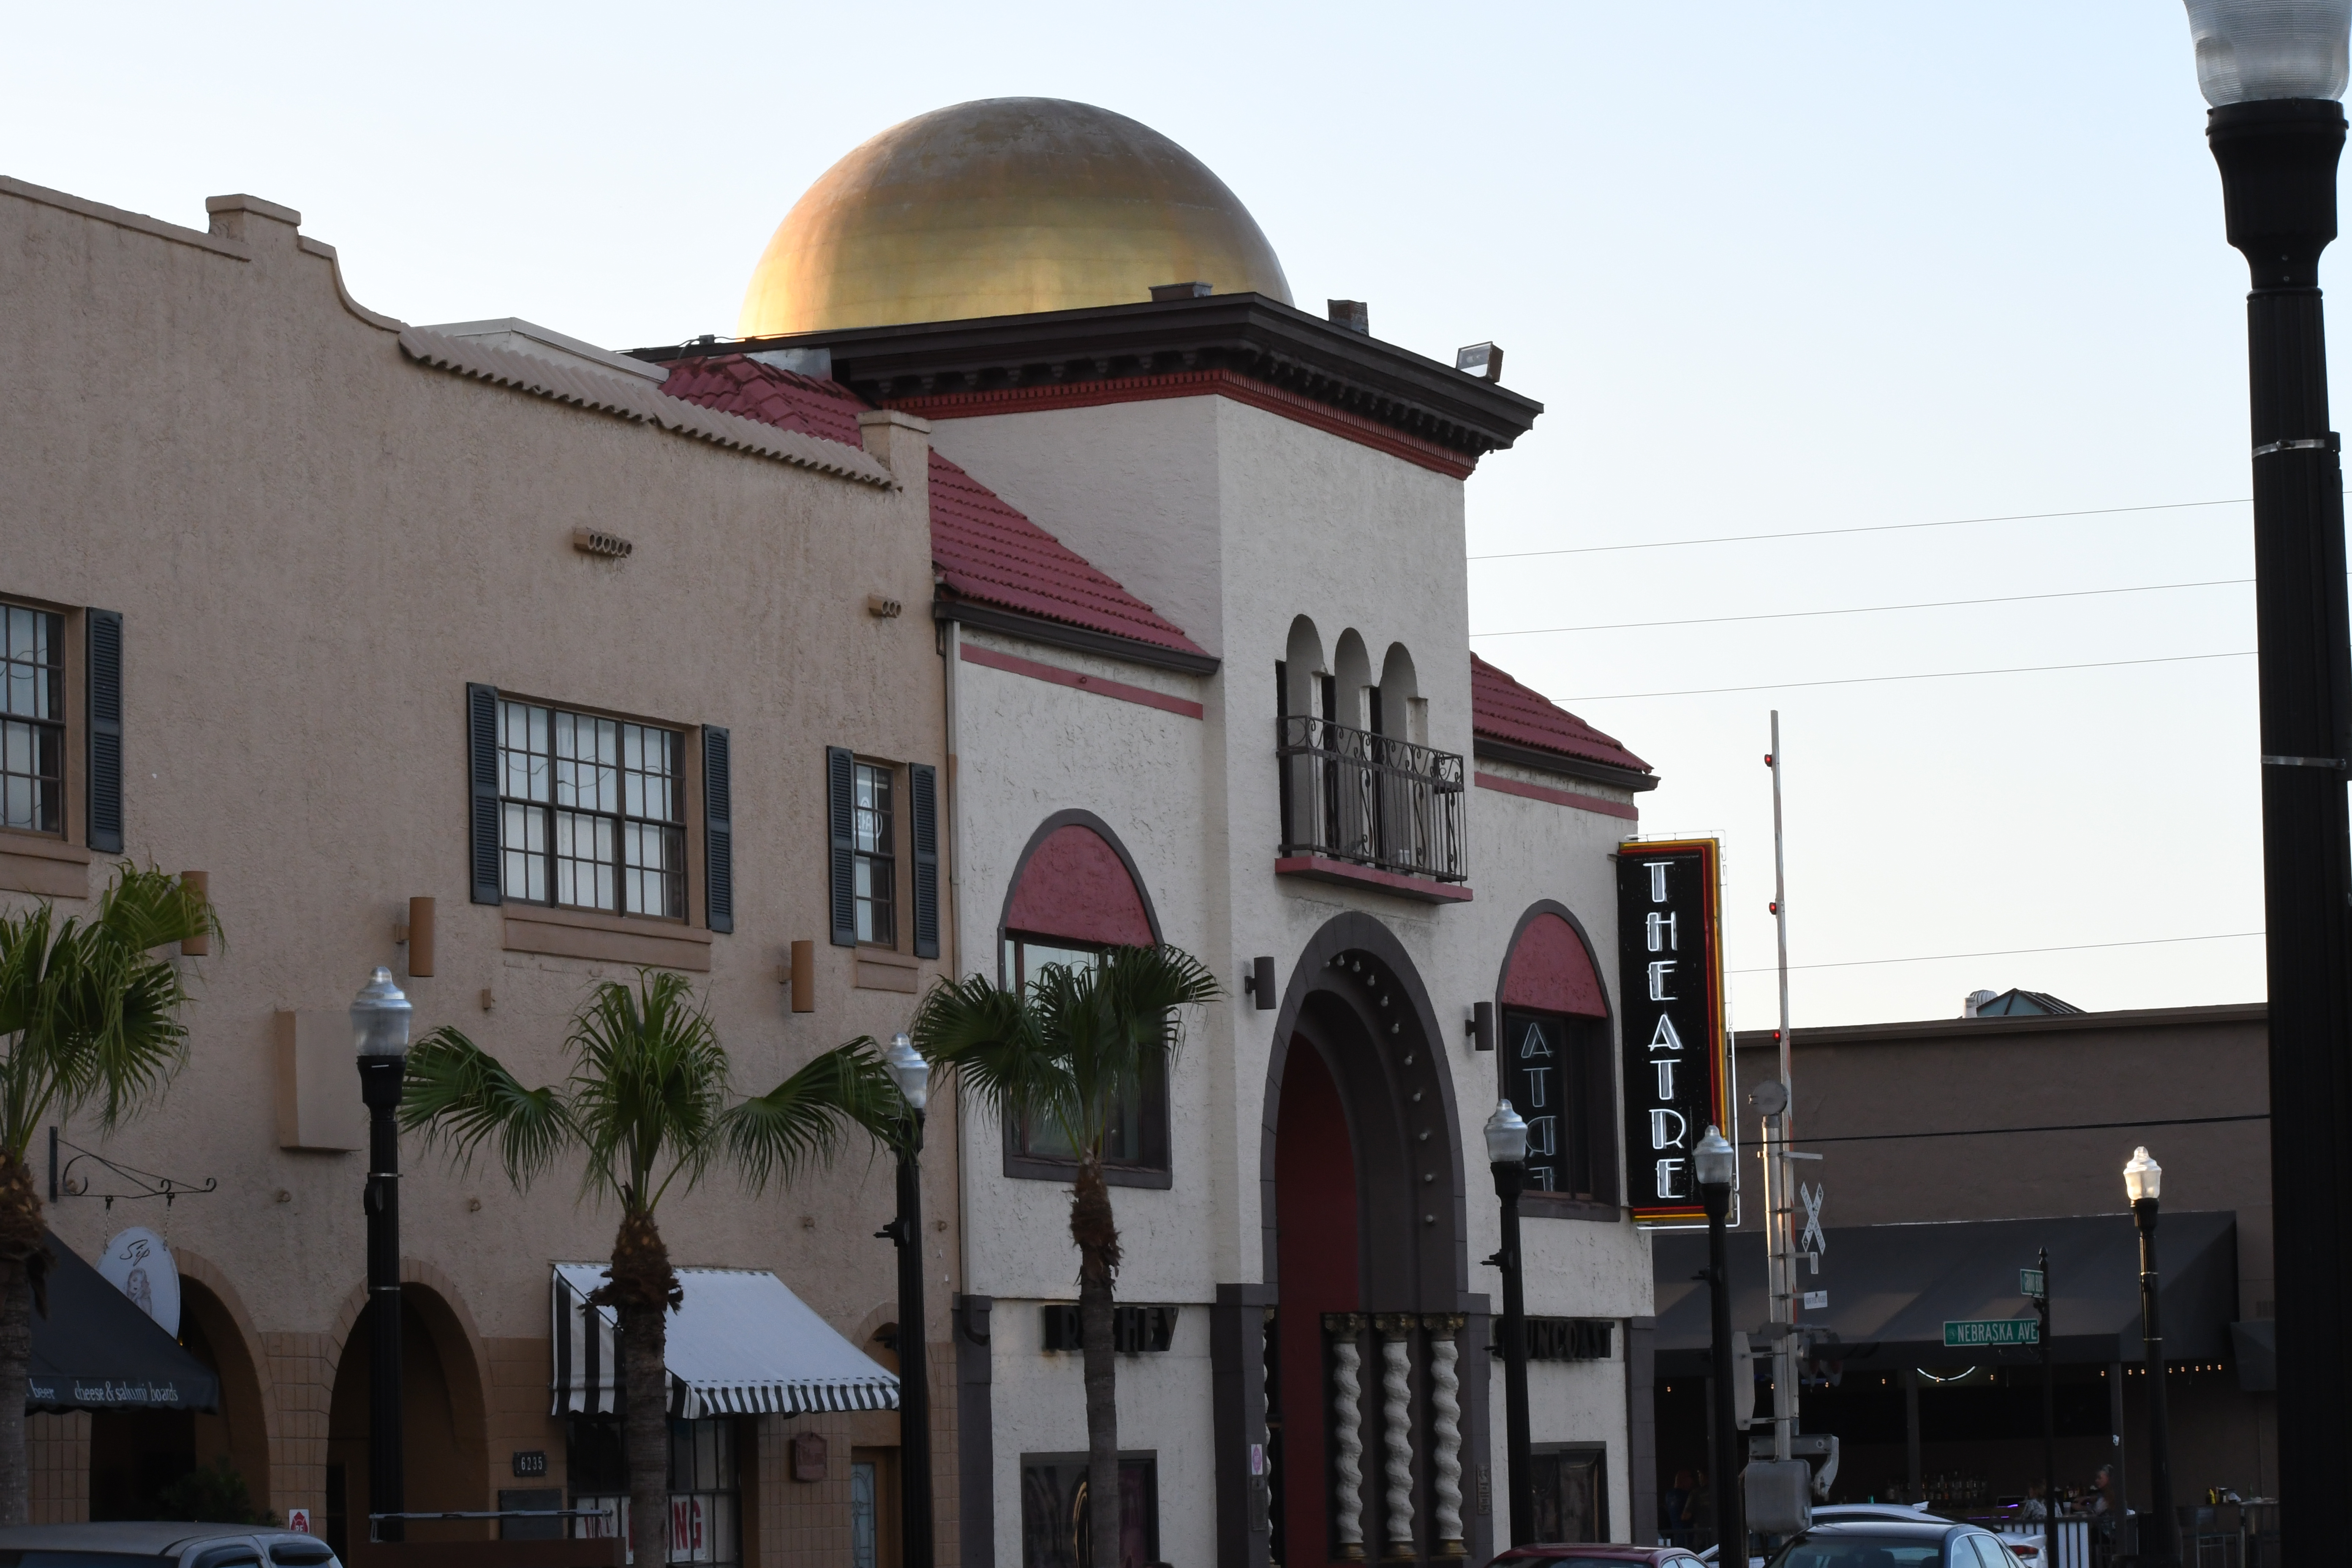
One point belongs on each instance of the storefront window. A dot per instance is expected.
(1054, 1532)
(704, 1498)
(1571, 1493)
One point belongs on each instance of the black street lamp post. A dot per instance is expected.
(912, 1074)
(2049, 1415)
(2271, 70)
(380, 1015)
(1506, 1152)
(1714, 1162)
(2143, 1179)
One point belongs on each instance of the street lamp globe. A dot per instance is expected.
(2143, 1177)
(1506, 1136)
(380, 1015)
(908, 1070)
(1713, 1160)
(2252, 49)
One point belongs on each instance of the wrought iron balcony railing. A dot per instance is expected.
(1350, 795)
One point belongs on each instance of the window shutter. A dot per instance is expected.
(840, 807)
(482, 771)
(718, 830)
(924, 787)
(105, 682)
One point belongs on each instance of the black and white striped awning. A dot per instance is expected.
(742, 1344)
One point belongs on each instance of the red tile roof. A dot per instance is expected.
(981, 548)
(1503, 710)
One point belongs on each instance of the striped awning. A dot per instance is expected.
(742, 1344)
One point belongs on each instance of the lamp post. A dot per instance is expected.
(912, 1074)
(380, 1015)
(1714, 1162)
(2272, 70)
(2143, 1179)
(1506, 1152)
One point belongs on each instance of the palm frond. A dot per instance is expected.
(803, 1121)
(649, 1086)
(457, 1093)
(995, 1044)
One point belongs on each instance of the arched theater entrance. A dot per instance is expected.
(1376, 1433)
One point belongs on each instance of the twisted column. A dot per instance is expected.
(1445, 1409)
(1347, 1436)
(1396, 1428)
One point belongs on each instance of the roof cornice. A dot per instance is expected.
(1251, 334)
(1078, 639)
(1560, 763)
(2217, 1015)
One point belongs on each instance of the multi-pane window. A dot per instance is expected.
(705, 1495)
(876, 874)
(1134, 1131)
(32, 718)
(592, 812)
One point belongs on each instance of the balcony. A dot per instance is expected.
(1371, 811)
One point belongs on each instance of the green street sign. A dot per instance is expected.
(1968, 1334)
(2030, 1284)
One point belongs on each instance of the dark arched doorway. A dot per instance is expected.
(1377, 1435)
(443, 1436)
(139, 1459)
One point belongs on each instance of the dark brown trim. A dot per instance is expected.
(2020, 1024)
(1055, 633)
(1055, 675)
(1559, 1205)
(1594, 802)
(1560, 762)
(1280, 344)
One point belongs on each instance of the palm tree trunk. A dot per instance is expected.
(23, 1258)
(1095, 1230)
(643, 1289)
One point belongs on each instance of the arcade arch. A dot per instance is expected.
(445, 1436)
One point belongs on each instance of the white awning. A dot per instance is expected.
(740, 1344)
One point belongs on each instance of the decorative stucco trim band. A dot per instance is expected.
(1215, 382)
(1420, 888)
(1568, 798)
(1015, 665)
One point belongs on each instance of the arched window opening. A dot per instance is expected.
(1073, 899)
(1556, 1062)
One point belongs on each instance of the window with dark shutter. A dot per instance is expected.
(923, 788)
(482, 774)
(841, 825)
(105, 731)
(718, 831)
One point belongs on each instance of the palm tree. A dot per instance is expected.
(90, 1015)
(1066, 1054)
(647, 1104)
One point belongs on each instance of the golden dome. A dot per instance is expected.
(999, 207)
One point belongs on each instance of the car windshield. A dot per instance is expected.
(1860, 1552)
(1580, 1563)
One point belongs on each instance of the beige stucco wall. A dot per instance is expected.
(1233, 521)
(316, 543)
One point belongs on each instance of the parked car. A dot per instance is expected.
(1895, 1543)
(1831, 1513)
(1573, 1555)
(161, 1544)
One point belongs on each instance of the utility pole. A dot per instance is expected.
(1779, 1196)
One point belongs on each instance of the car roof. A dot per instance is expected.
(1905, 1529)
(160, 1538)
(1618, 1550)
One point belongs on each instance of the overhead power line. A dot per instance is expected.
(1869, 528)
(1922, 674)
(1867, 609)
(2006, 951)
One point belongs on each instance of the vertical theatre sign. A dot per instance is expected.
(1678, 1067)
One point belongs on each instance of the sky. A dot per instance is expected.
(1770, 269)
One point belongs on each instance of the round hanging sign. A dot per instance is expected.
(138, 1263)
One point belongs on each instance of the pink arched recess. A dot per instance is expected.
(1551, 973)
(1077, 888)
